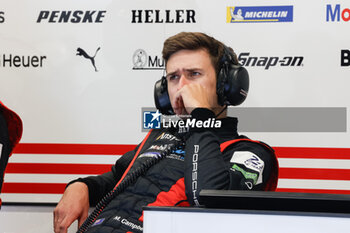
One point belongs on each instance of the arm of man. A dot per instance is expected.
(208, 168)
(82, 193)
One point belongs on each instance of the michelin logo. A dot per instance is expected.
(252, 14)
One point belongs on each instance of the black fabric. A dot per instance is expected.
(199, 165)
(104, 183)
(5, 149)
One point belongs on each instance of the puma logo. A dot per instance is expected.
(81, 52)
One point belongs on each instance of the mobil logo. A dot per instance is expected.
(337, 13)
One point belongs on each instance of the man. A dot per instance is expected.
(194, 62)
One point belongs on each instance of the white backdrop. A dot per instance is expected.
(65, 101)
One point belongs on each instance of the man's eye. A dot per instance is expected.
(195, 73)
(173, 77)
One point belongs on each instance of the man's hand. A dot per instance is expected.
(189, 97)
(73, 205)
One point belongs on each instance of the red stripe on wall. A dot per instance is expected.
(314, 173)
(95, 169)
(54, 188)
(52, 168)
(34, 188)
(329, 191)
(312, 152)
(86, 149)
(117, 149)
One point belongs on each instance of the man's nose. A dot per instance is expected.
(183, 81)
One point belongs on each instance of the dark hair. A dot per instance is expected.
(194, 41)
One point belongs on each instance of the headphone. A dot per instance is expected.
(232, 84)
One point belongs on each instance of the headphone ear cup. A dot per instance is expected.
(161, 97)
(232, 80)
(220, 86)
(237, 85)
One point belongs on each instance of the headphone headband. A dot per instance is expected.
(231, 87)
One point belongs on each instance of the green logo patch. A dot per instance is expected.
(247, 175)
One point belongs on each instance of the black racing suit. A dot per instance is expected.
(178, 178)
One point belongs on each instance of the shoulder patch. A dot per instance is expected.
(249, 160)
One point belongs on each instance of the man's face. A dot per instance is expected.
(192, 68)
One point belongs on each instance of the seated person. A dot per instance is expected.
(10, 134)
(202, 77)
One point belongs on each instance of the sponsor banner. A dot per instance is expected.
(255, 14)
(78, 16)
(142, 61)
(95, 63)
(345, 57)
(24, 61)
(245, 59)
(74, 75)
(81, 52)
(2, 17)
(163, 16)
(337, 13)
